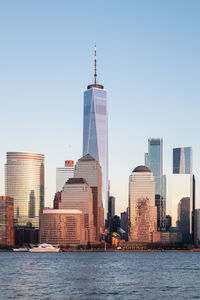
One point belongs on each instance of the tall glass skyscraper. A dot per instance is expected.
(183, 192)
(95, 130)
(154, 161)
(24, 182)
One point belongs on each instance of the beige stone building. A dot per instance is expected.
(89, 169)
(77, 194)
(142, 209)
(63, 227)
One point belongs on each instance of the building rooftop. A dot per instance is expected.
(62, 211)
(141, 169)
(87, 157)
(76, 181)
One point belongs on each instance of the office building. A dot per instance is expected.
(124, 221)
(182, 160)
(183, 187)
(197, 226)
(183, 219)
(24, 182)
(89, 169)
(111, 209)
(142, 209)
(154, 161)
(63, 227)
(95, 130)
(77, 194)
(6, 221)
(63, 174)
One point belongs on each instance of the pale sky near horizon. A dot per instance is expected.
(147, 60)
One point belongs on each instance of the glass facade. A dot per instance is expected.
(183, 197)
(182, 160)
(62, 175)
(154, 161)
(24, 182)
(95, 132)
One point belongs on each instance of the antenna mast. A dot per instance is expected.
(95, 65)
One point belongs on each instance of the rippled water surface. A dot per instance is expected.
(116, 275)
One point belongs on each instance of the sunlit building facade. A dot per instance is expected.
(77, 194)
(89, 169)
(142, 209)
(6, 220)
(63, 227)
(63, 174)
(24, 182)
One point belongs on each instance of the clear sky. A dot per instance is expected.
(147, 59)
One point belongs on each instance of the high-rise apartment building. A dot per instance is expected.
(63, 227)
(183, 187)
(63, 174)
(89, 169)
(24, 182)
(77, 194)
(95, 130)
(142, 209)
(6, 220)
(154, 161)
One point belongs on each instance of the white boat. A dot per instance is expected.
(20, 249)
(44, 248)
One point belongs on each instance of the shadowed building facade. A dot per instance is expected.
(142, 209)
(77, 194)
(6, 220)
(89, 169)
(24, 182)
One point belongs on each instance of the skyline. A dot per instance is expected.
(158, 61)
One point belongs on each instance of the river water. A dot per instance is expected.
(103, 275)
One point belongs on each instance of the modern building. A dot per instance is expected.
(124, 221)
(182, 160)
(168, 222)
(77, 194)
(183, 187)
(57, 200)
(183, 219)
(197, 226)
(6, 221)
(142, 209)
(154, 161)
(89, 169)
(111, 209)
(95, 130)
(63, 174)
(63, 227)
(24, 182)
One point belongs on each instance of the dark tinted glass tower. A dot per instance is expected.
(154, 161)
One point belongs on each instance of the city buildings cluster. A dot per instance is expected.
(83, 210)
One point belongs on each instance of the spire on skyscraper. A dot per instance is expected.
(95, 85)
(95, 65)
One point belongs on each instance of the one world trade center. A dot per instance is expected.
(95, 129)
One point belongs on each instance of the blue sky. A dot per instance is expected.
(147, 59)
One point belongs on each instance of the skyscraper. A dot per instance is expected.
(63, 174)
(182, 160)
(95, 130)
(89, 169)
(154, 161)
(77, 194)
(183, 186)
(142, 209)
(24, 182)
